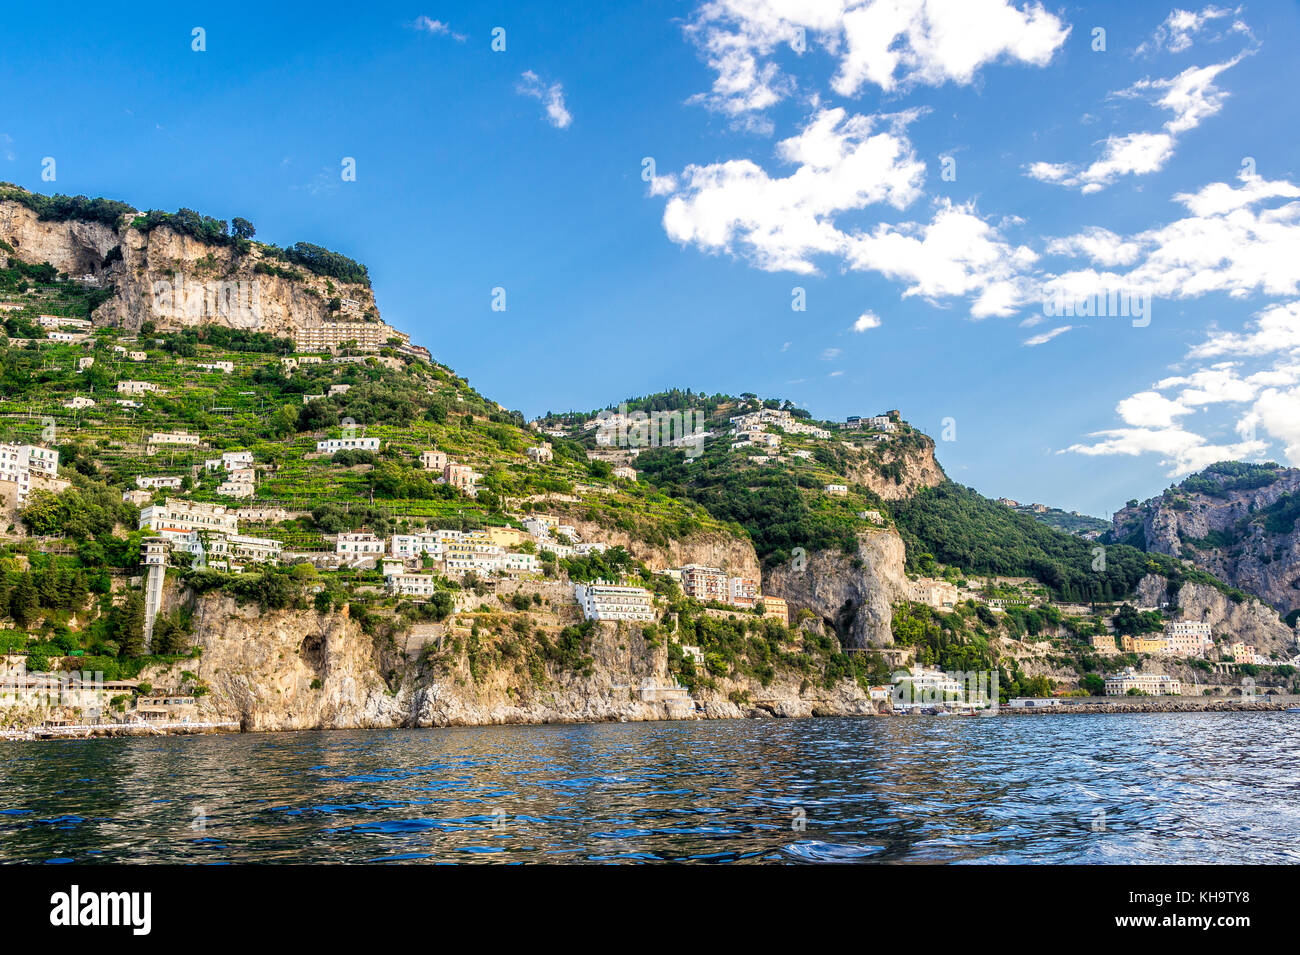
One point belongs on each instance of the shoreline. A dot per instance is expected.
(133, 730)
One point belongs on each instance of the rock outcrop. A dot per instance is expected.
(852, 594)
(1250, 621)
(176, 280)
(298, 669)
(1241, 535)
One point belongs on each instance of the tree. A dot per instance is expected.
(130, 633)
(242, 228)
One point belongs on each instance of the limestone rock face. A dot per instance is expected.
(905, 470)
(1221, 535)
(1251, 621)
(297, 669)
(177, 281)
(853, 595)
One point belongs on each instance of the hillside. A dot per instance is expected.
(1071, 522)
(1240, 522)
(266, 497)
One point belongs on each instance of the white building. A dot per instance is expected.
(358, 545)
(601, 601)
(418, 545)
(77, 402)
(179, 515)
(412, 585)
(1151, 684)
(331, 446)
(137, 387)
(156, 481)
(182, 438)
(837, 490)
(542, 453)
(225, 367)
(21, 463)
(230, 461)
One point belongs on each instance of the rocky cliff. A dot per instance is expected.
(1250, 621)
(1238, 523)
(853, 594)
(897, 469)
(176, 280)
(298, 669)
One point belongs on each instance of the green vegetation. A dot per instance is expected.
(958, 526)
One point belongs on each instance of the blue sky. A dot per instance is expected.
(793, 147)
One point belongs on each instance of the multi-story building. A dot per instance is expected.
(137, 387)
(1103, 642)
(358, 545)
(776, 608)
(364, 336)
(238, 483)
(542, 453)
(20, 463)
(1188, 638)
(463, 477)
(230, 461)
(517, 563)
(258, 550)
(933, 592)
(156, 481)
(742, 591)
(625, 473)
(331, 446)
(433, 460)
(472, 551)
(77, 402)
(1152, 684)
(412, 585)
(177, 515)
(601, 601)
(1142, 644)
(418, 545)
(705, 583)
(837, 490)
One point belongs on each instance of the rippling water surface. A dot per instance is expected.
(1193, 787)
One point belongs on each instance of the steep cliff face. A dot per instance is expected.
(297, 669)
(710, 548)
(176, 280)
(897, 470)
(1245, 535)
(75, 247)
(1251, 621)
(853, 594)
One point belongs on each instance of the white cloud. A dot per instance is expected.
(1191, 96)
(437, 28)
(1275, 329)
(843, 163)
(1182, 451)
(831, 354)
(885, 43)
(1100, 245)
(1176, 33)
(550, 94)
(1046, 337)
(6, 147)
(866, 320)
(1150, 409)
(956, 253)
(1233, 247)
